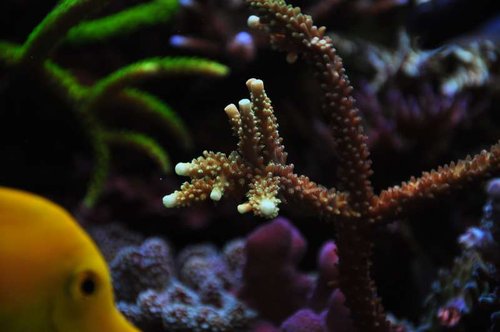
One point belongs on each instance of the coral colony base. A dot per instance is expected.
(259, 166)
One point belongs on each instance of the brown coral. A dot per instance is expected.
(259, 166)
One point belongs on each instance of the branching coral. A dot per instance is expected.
(66, 23)
(259, 167)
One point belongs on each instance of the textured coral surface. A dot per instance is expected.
(364, 211)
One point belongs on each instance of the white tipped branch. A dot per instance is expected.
(234, 119)
(249, 145)
(183, 169)
(268, 208)
(272, 147)
(257, 168)
(216, 194)
(244, 208)
(253, 22)
(170, 201)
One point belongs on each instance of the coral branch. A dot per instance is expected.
(257, 168)
(149, 68)
(294, 33)
(397, 200)
(65, 85)
(273, 149)
(47, 35)
(354, 242)
(123, 22)
(249, 146)
(150, 104)
(143, 143)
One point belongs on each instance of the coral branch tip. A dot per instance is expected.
(170, 200)
(182, 169)
(216, 194)
(253, 21)
(231, 110)
(244, 208)
(245, 104)
(268, 208)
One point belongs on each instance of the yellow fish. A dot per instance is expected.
(52, 276)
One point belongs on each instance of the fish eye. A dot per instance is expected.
(88, 283)
(87, 286)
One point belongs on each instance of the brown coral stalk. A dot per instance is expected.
(294, 33)
(258, 167)
(396, 200)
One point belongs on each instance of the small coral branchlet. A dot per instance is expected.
(258, 167)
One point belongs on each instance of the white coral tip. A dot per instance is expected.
(170, 200)
(268, 208)
(216, 194)
(244, 103)
(253, 21)
(245, 106)
(182, 169)
(244, 208)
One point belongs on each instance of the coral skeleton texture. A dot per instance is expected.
(259, 167)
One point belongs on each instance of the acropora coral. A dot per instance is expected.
(259, 166)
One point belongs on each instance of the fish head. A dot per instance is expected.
(85, 300)
(55, 279)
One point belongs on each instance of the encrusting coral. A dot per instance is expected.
(194, 292)
(251, 284)
(259, 167)
(68, 23)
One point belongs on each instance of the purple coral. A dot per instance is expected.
(195, 294)
(304, 320)
(204, 289)
(202, 268)
(135, 269)
(273, 285)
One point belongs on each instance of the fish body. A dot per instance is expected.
(52, 276)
